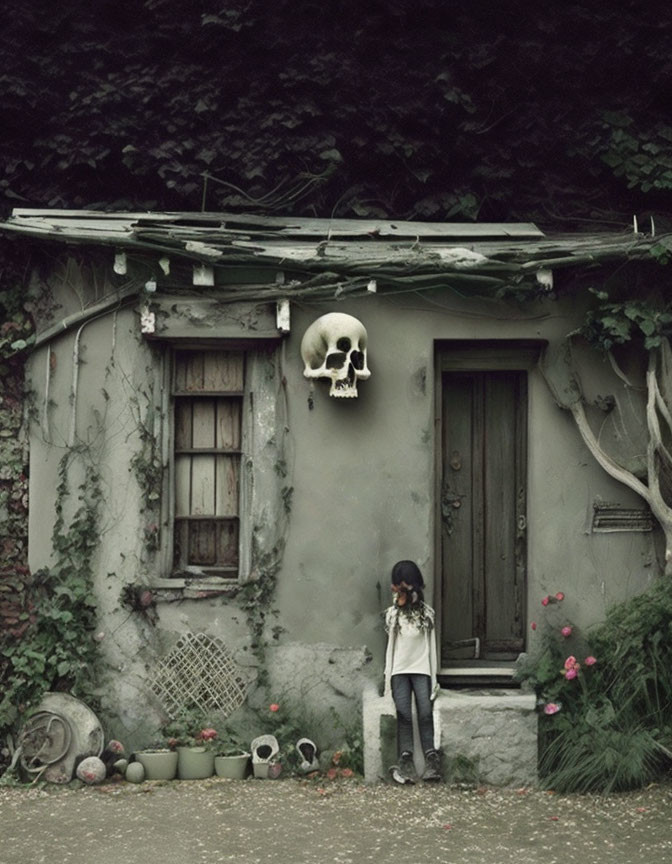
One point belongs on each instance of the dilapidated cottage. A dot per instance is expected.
(264, 414)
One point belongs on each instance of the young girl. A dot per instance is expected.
(410, 668)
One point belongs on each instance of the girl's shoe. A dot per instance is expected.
(432, 770)
(404, 772)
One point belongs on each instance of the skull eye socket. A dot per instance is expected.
(357, 359)
(343, 344)
(335, 360)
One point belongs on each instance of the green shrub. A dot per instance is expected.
(605, 724)
(635, 642)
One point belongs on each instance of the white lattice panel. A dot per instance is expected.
(199, 673)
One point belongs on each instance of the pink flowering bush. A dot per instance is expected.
(603, 707)
(555, 673)
(548, 668)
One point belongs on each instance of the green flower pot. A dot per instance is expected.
(233, 767)
(260, 770)
(158, 764)
(195, 763)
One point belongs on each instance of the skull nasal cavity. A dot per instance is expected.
(334, 360)
(343, 344)
(357, 359)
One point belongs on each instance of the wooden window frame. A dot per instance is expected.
(182, 524)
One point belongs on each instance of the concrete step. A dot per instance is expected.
(486, 736)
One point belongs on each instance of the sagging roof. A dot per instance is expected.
(488, 255)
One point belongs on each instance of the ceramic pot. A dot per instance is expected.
(195, 763)
(158, 764)
(260, 770)
(233, 767)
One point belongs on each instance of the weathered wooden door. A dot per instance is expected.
(483, 514)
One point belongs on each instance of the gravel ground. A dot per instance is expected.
(311, 822)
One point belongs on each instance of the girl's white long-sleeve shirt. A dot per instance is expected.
(411, 647)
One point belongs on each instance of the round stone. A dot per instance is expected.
(91, 770)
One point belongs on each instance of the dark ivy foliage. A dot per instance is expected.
(556, 113)
(58, 650)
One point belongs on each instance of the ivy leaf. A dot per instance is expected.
(647, 326)
(617, 118)
(332, 155)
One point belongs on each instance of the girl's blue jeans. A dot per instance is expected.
(403, 688)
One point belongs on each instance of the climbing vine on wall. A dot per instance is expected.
(255, 599)
(58, 651)
(639, 319)
(148, 467)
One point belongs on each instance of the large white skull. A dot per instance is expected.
(334, 347)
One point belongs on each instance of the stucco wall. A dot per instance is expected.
(362, 471)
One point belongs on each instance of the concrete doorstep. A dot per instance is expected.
(487, 737)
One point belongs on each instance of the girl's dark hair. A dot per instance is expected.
(408, 572)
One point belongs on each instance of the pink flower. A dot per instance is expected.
(559, 596)
(572, 667)
(274, 707)
(533, 625)
(208, 734)
(566, 631)
(551, 708)
(546, 600)
(590, 661)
